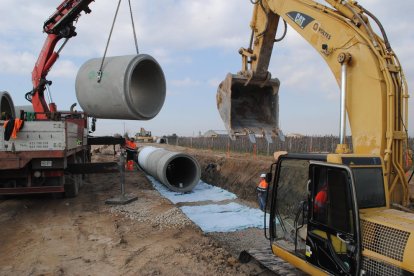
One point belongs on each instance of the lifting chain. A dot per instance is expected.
(99, 74)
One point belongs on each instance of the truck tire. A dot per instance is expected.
(73, 182)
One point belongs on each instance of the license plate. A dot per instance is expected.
(46, 163)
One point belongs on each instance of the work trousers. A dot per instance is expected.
(261, 196)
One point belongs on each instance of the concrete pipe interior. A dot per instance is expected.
(181, 172)
(6, 104)
(147, 87)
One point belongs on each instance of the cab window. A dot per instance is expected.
(331, 199)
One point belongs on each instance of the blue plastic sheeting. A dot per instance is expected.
(201, 192)
(213, 217)
(224, 218)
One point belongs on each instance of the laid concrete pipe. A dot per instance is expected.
(178, 171)
(6, 103)
(131, 87)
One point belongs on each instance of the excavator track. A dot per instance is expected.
(273, 263)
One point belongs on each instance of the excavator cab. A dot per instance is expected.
(314, 218)
(247, 106)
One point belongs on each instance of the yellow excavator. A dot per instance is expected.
(345, 213)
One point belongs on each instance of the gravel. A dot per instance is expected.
(143, 210)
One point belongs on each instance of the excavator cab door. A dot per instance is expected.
(249, 106)
(333, 240)
(314, 217)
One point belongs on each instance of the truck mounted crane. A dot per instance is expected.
(355, 230)
(60, 25)
(52, 150)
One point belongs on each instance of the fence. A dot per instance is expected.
(242, 144)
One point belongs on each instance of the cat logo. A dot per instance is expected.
(301, 19)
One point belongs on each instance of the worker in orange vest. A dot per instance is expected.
(320, 204)
(262, 191)
(11, 127)
(131, 149)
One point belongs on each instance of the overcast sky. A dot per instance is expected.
(196, 42)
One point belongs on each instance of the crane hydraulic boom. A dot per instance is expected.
(59, 25)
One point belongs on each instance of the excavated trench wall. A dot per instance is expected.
(239, 175)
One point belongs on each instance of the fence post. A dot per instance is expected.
(228, 147)
(254, 151)
(311, 144)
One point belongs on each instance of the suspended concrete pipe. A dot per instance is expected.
(6, 104)
(178, 171)
(131, 87)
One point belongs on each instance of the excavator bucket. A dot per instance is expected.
(249, 107)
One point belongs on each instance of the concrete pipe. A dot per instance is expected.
(178, 171)
(6, 104)
(25, 108)
(131, 87)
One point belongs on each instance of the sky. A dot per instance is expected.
(196, 43)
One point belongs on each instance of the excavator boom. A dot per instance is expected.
(353, 230)
(363, 63)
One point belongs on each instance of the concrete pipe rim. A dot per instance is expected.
(154, 97)
(195, 178)
(6, 103)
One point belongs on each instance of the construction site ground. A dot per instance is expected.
(43, 235)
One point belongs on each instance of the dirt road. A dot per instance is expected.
(84, 236)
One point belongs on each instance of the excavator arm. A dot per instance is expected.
(373, 87)
(59, 25)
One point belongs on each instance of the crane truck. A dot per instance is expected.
(360, 228)
(51, 151)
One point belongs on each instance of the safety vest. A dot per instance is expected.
(17, 125)
(262, 187)
(130, 145)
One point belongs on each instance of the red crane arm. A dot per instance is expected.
(58, 26)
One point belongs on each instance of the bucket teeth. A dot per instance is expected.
(248, 106)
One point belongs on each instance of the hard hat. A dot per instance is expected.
(263, 175)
